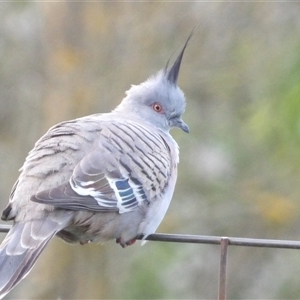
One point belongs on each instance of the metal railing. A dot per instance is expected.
(224, 243)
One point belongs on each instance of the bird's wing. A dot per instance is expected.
(129, 166)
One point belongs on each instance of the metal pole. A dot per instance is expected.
(216, 240)
(206, 239)
(224, 242)
(4, 228)
(223, 268)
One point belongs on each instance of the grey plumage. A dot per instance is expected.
(97, 178)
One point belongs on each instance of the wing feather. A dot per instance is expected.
(123, 171)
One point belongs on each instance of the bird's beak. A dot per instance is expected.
(180, 124)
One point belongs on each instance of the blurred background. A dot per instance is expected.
(240, 165)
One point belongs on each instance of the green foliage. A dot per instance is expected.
(276, 121)
(147, 280)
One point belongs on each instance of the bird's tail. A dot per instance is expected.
(21, 248)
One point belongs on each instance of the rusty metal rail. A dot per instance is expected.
(224, 243)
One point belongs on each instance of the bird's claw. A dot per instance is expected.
(125, 244)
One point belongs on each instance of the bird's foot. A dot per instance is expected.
(85, 242)
(125, 244)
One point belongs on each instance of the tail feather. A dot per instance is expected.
(21, 248)
(16, 267)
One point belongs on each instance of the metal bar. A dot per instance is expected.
(216, 240)
(205, 239)
(4, 228)
(223, 268)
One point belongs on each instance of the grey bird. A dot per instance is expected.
(97, 178)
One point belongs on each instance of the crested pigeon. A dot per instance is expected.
(97, 178)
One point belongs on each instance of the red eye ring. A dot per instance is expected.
(157, 107)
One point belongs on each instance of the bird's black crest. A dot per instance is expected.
(172, 73)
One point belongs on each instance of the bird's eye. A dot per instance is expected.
(157, 107)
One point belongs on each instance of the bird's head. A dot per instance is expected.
(158, 101)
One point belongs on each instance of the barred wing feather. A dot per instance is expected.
(128, 167)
